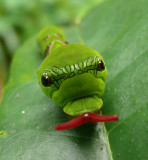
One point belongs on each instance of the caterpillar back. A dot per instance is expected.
(50, 38)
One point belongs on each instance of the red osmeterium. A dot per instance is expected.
(85, 118)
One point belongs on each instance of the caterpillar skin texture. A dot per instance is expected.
(73, 75)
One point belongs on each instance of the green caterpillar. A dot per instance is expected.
(73, 75)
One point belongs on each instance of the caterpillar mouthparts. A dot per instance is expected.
(85, 118)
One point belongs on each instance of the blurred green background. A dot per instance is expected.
(20, 19)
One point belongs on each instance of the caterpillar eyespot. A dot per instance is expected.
(75, 74)
(101, 65)
(45, 79)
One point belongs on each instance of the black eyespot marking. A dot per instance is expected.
(46, 80)
(101, 66)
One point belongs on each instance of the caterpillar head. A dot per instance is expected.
(72, 71)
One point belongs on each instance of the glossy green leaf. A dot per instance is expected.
(118, 29)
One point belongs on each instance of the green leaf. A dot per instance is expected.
(119, 30)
